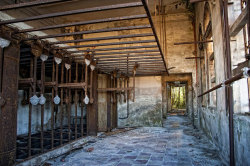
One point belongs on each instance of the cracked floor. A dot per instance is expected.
(177, 143)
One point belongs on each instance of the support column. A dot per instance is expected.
(8, 113)
(92, 114)
(114, 106)
(109, 104)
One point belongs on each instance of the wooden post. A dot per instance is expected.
(69, 105)
(82, 103)
(42, 106)
(8, 115)
(61, 106)
(30, 108)
(92, 110)
(76, 101)
(52, 107)
(114, 107)
(109, 104)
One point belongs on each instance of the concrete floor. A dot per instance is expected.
(177, 143)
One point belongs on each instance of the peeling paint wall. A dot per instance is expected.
(213, 120)
(102, 103)
(146, 110)
(179, 28)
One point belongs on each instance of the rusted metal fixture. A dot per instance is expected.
(104, 38)
(30, 4)
(57, 134)
(52, 107)
(91, 32)
(120, 48)
(72, 12)
(194, 57)
(28, 81)
(125, 86)
(154, 31)
(92, 114)
(3, 44)
(134, 73)
(43, 58)
(92, 67)
(125, 56)
(81, 100)
(87, 62)
(8, 114)
(229, 90)
(193, 42)
(117, 53)
(72, 85)
(76, 100)
(61, 108)
(121, 60)
(195, 1)
(225, 83)
(84, 23)
(69, 104)
(107, 44)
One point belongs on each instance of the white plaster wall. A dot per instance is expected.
(146, 110)
(214, 121)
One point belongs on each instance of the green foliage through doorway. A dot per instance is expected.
(178, 97)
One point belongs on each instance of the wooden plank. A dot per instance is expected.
(108, 104)
(92, 110)
(72, 85)
(8, 116)
(239, 23)
(113, 89)
(102, 103)
(114, 107)
(194, 1)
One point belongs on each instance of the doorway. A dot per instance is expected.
(177, 98)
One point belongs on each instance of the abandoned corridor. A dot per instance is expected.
(175, 144)
(74, 71)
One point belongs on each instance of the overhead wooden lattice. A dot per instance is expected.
(112, 52)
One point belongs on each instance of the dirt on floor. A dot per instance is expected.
(177, 143)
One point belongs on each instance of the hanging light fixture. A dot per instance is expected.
(42, 100)
(57, 100)
(87, 57)
(86, 100)
(135, 68)
(93, 65)
(44, 57)
(67, 66)
(4, 43)
(58, 60)
(34, 100)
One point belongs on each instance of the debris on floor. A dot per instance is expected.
(168, 145)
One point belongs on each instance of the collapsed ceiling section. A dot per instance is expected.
(116, 35)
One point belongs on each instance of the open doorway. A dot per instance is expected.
(177, 97)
